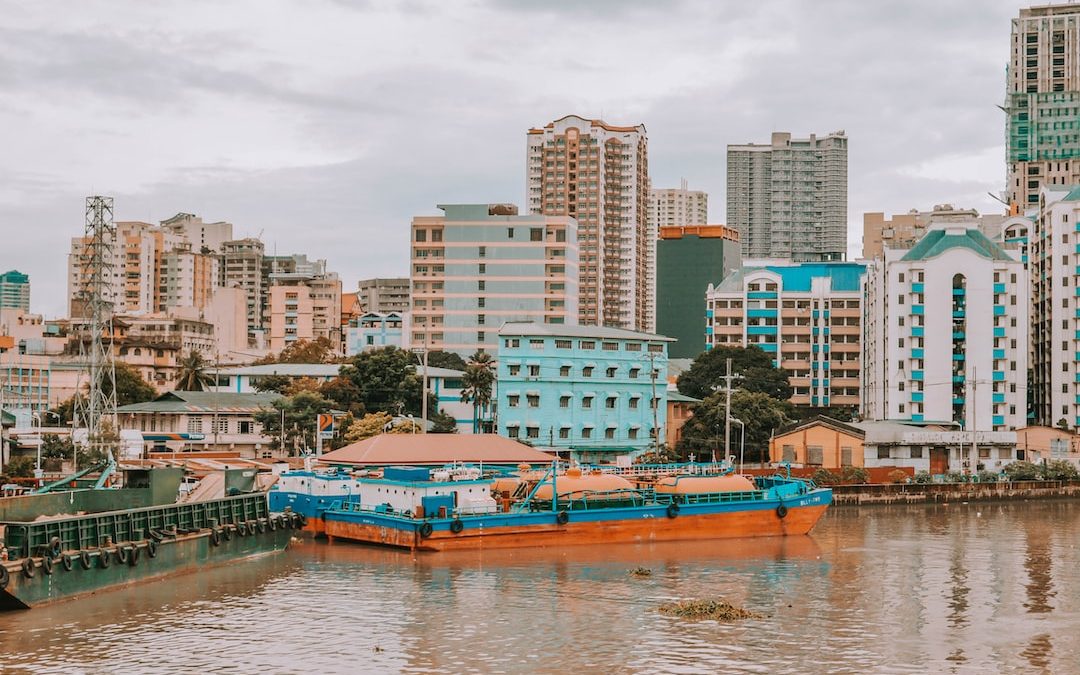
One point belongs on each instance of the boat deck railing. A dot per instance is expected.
(697, 469)
(94, 529)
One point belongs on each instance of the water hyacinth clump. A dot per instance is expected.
(715, 609)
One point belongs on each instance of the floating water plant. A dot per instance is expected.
(717, 610)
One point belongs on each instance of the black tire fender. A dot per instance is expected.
(85, 560)
(272, 523)
(301, 521)
(456, 525)
(562, 517)
(155, 535)
(151, 548)
(242, 528)
(55, 547)
(123, 554)
(261, 524)
(5, 577)
(47, 565)
(781, 512)
(215, 536)
(68, 562)
(28, 568)
(226, 532)
(426, 529)
(672, 510)
(133, 556)
(103, 557)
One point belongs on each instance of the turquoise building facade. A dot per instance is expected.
(374, 330)
(594, 392)
(15, 291)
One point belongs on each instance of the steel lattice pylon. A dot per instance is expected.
(97, 411)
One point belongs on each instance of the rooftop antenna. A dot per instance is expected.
(97, 412)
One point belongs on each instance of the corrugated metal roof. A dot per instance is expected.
(203, 401)
(435, 450)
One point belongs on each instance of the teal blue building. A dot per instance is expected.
(15, 291)
(372, 331)
(594, 392)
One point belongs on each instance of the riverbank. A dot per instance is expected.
(933, 493)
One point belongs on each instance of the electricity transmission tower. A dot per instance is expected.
(97, 411)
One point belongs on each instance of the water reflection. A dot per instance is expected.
(958, 588)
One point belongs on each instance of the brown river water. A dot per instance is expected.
(979, 588)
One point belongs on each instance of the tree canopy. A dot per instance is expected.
(194, 372)
(319, 350)
(443, 423)
(761, 414)
(752, 367)
(386, 380)
(300, 412)
(438, 359)
(477, 385)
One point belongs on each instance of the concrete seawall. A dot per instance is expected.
(913, 493)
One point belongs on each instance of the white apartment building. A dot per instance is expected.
(807, 316)
(946, 332)
(598, 174)
(677, 207)
(1055, 323)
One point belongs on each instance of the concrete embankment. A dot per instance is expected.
(913, 493)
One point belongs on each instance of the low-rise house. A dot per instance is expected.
(680, 408)
(199, 420)
(1038, 443)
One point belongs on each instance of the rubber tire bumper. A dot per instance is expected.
(781, 512)
(5, 577)
(85, 560)
(28, 568)
(456, 526)
(426, 529)
(673, 510)
(562, 517)
(68, 562)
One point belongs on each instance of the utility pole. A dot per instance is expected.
(423, 393)
(727, 413)
(974, 463)
(654, 403)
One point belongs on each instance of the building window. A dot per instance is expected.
(611, 401)
(610, 346)
(513, 431)
(563, 344)
(634, 403)
(611, 372)
(586, 432)
(633, 346)
(633, 434)
(245, 427)
(533, 400)
(564, 371)
(421, 235)
(512, 401)
(587, 344)
(916, 452)
(634, 372)
(536, 344)
(536, 234)
(587, 371)
(482, 252)
(587, 402)
(534, 371)
(609, 433)
(882, 452)
(509, 233)
(515, 369)
(513, 342)
(194, 424)
(564, 401)
(220, 425)
(532, 432)
(564, 432)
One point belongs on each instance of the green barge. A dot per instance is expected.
(64, 557)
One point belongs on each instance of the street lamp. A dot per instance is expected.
(742, 440)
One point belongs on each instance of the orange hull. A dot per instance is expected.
(736, 524)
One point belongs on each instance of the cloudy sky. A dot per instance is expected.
(326, 125)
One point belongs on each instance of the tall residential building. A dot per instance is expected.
(203, 237)
(1042, 102)
(478, 266)
(788, 199)
(675, 207)
(597, 392)
(186, 279)
(598, 174)
(384, 295)
(688, 259)
(304, 306)
(1055, 316)
(15, 290)
(946, 333)
(241, 267)
(808, 316)
(904, 230)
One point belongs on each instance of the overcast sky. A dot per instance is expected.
(326, 125)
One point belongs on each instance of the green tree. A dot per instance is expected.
(130, 387)
(386, 379)
(300, 412)
(20, 467)
(443, 423)
(439, 359)
(344, 395)
(194, 372)
(56, 447)
(477, 384)
(319, 350)
(752, 367)
(273, 383)
(761, 414)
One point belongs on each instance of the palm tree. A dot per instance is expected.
(193, 375)
(477, 384)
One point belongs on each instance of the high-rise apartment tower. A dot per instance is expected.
(599, 174)
(788, 199)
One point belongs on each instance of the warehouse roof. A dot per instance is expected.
(203, 401)
(436, 450)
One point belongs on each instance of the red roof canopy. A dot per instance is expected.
(436, 450)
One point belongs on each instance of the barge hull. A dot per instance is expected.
(544, 530)
(184, 553)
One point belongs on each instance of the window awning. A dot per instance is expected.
(589, 394)
(567, 393)
(513, 362)
(635, 425)
(612, 425)
(532, 392)
(512, 392)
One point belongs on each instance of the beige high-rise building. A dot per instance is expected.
(1042, 102)
(304, 306)
(598, 174)
(788, 199)
(904, 230)
(241, 267)
(478, 266)
(383, 295)
(677, 207)
(203, 237)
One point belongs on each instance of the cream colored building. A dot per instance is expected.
(677, 207)
(241, 267)
(304, 307)
(478, 266)
(598, 174)
(904, 230)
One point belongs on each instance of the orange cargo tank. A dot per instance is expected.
(574, 485)
(690, 485)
